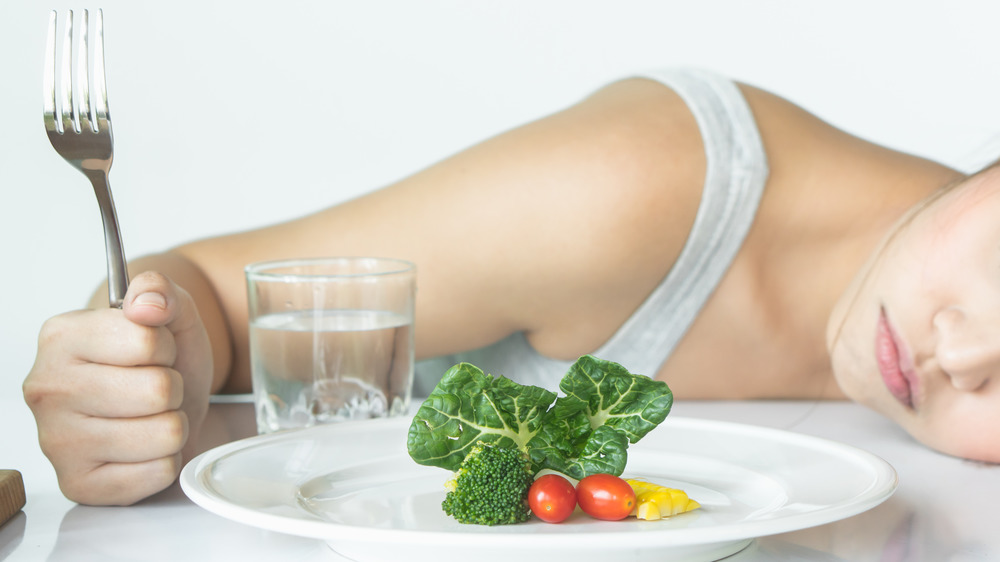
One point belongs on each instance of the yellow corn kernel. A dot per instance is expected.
(655, 502)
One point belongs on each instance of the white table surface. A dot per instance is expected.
(944, 510)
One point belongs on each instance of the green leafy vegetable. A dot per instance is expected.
(587, 431)
(633, 404)
(468, 406)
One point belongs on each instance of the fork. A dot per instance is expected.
(79, 128)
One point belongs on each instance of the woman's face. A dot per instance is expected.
(917, 335)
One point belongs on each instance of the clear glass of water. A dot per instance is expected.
(331, 339)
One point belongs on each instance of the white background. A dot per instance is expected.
(229, 115)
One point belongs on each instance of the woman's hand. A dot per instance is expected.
(118, 394)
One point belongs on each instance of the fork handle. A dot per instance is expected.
(117, 269)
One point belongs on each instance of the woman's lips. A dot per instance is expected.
(898, 380)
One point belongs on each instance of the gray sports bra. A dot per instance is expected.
(736, 173)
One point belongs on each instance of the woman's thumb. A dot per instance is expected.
(154, 300)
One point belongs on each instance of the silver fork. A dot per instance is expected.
(79, 128)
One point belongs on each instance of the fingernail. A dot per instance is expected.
(155, 300)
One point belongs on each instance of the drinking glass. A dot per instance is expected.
(331, 339)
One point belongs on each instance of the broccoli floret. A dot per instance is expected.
(490, 487)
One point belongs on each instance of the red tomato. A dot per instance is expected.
(605, 496)
(552, 498)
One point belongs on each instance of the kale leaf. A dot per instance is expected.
(468, 406)
(587, 431)
(633, 404)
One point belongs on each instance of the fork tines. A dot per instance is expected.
(78, 124)
(74, 108)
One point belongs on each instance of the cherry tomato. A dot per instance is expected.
(552, 498)
(605, 496)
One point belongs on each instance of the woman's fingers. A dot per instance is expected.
(81, 369)
(104, 337)
(123, 392)
(95, 441)
(114, 461)
(122, 483)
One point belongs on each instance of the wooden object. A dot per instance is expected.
(11, 494)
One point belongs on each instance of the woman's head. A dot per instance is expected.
(917, 334)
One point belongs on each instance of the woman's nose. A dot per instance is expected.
(968, 349)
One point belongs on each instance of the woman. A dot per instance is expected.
(803, 263)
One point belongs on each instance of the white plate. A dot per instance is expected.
(354, 486)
